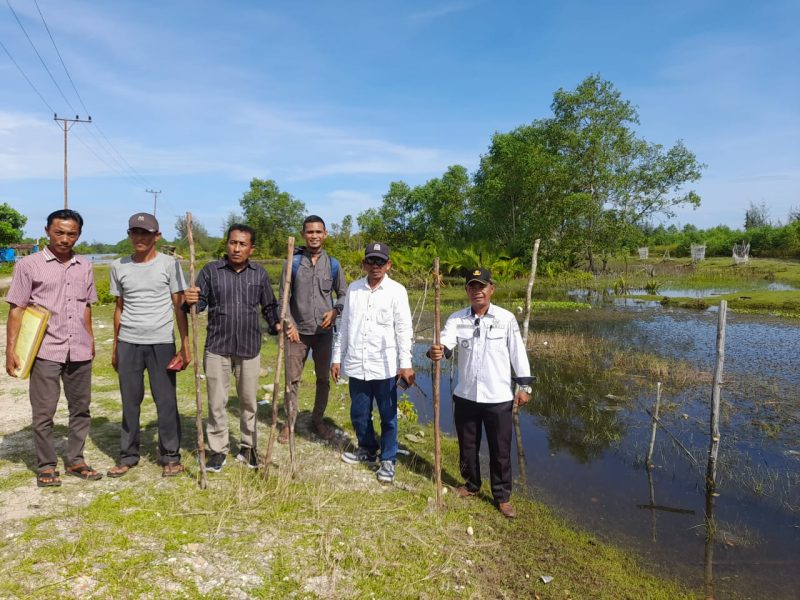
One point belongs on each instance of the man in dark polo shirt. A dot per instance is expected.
(62, 282)
(235, 291)
(316, 276)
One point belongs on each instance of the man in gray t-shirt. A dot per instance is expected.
(149, 288)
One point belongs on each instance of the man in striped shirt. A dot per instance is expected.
(233, 289)
(62, 282)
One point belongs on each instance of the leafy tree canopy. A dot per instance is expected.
(273, 214)
(11, 224)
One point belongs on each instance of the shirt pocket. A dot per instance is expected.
(326, 284)
(252, 294)
(495, 337)
(384, 317)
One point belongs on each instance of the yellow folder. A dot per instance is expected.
(31, 332)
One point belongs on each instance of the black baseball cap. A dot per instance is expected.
(481, 275)
(377, 250)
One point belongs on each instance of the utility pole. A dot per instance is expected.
(66, 125)
(155, 198)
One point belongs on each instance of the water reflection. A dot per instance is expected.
(580, 444)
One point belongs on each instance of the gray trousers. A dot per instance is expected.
(133, 360)
(321, 347)
(218, 382)
(45, 389)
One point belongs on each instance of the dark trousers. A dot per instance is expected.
(470, 418)
(321, 346)
(384, 393)
(133, 360)
(45, 389)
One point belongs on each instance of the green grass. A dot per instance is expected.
(331, 530)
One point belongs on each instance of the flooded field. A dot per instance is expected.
(584, 436)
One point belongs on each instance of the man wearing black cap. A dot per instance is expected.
(489, 348)
(374, 350)
(149, 289)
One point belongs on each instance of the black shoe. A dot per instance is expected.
(248, 456)
(215, 462)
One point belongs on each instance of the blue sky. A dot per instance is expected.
(334, 100)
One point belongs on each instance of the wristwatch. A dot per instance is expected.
(525, 388)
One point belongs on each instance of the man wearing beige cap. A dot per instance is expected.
(149, 289)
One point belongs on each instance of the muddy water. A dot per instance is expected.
(584, 436)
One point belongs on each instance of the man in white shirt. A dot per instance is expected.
(374, 350)
(489, 348)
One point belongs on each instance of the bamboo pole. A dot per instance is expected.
(437, 374)
(648, 461)
(287, 282)
(711, 471)
(201, 448)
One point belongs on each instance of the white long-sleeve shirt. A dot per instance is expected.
(487, 353)
(375, 333)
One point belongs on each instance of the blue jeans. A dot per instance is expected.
(384, 392)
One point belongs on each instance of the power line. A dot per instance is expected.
(155, 198)
(60, 58)
(125, 168)
(44, 64)
(122, 160)
(67, 125)
(30, 83)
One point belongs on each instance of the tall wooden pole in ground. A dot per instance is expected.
(713, 450)
(201, 447)
(66, 125)
(525, 325)
(711, 471)
(437, 375)
(287, 283)
(648, 460)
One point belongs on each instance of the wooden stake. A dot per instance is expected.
(711, 471)
(201, 447)
(529, 290)
(287, 282)
(437, 374)
(515, 410)
(648, 461)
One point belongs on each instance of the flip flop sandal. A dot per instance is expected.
(48, 478)
(283, 437)
(84, 471)
(172, 469)
(119, 470)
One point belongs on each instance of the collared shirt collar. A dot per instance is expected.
(48, 256)
(488, 312)
(223, 263)
(380, 285)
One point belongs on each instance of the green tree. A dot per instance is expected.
(11, 224)
(756, 216)
(613, 169)
(273, 214)
(437, 211)
(581, 180)
(203, 241)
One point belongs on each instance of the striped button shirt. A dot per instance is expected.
(233, 301)
(65, 289)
